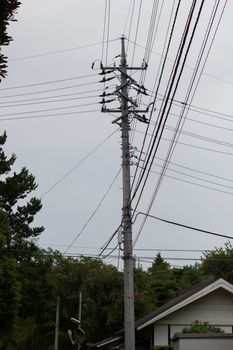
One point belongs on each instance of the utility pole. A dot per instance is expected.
(127, 108)
(57, 324)
(80, 312)
(127, 224)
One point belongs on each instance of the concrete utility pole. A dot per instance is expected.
(57, 324)
(127, 224)
(80, 312)
(126, 110)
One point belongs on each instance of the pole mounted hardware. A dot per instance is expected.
(128, 107)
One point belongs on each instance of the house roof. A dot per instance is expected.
(181, 300)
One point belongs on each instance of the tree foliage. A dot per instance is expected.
(7, 13)
(17, 241)
(202, 327)
(219, 262)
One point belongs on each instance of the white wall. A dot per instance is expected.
(216, 308)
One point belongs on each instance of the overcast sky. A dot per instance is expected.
(71, 152)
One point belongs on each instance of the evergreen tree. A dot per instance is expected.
(14, 188)
(16, 239)
(219, 262)
(7, 11)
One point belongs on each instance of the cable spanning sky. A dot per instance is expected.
(181, 157)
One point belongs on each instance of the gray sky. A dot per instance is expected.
(59, 40)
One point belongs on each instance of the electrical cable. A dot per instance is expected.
(184, 226)
(197, 171)
(57, 51)
(170, 91)
(47, 110)
(48, 115)
(153, 104)
(195, 177)
(105, 17)
(193, 183)
(54, 101)
(49, 82)
(136, 34)
(50, 97)
(195, 146)
(77, 165)
(93, 213)
(50, 90)
(130, 25)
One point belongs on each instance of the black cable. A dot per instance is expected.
(58, 51)
(50, 90)
(77, 165)
(49, 82)
(49, 115)
(94, 212)
(46, 102)
(194, 177)
(163, 116)
(194, 146)
(50, 97)
(47, 110)
(185, 226)
(153, 104)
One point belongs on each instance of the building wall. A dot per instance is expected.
(203, 343)
(216, 308)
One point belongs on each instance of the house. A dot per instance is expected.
(203, 341)
(210, 300)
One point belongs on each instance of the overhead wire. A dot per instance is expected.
(196, 171)
(56, 115)
(172, 144)
(149, 120)
(195, 146)
(49, 97)
(48, 82)
(130, 24)
(184, 111)
(48, 102)
(94, 212)
(184, 226)
(175, 77)
(58, 51)
(136, 33)
(50, 90)
(104, 28)
(46, 110)
(192, 176)
(188, 182)
(77, 165)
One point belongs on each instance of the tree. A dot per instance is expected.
(202, 327)
(102, 294)
(17, 238)
(219, 262)
(7, 12)
(162, 286)
(14, 189)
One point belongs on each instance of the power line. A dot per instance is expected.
(50, 90)
(77, 165)
(47, 110)
(51, 97)
(93, 214)
(49, 82)
(194, 183)
(53, 101)
(182, 225)
(58, 51)
(49, 115)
